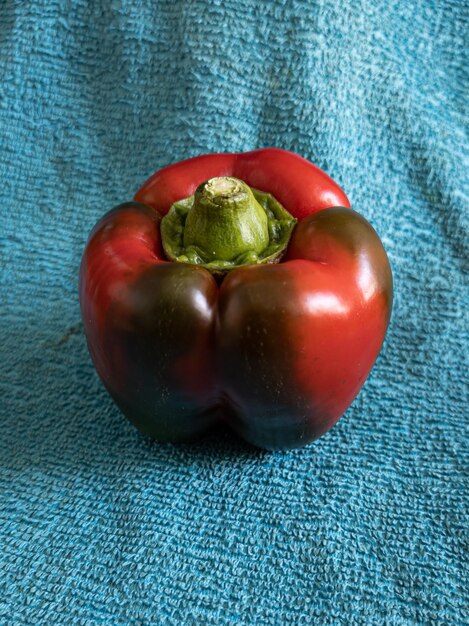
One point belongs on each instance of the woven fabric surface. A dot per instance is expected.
(98, 524)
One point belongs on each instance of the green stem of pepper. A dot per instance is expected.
(226, 224)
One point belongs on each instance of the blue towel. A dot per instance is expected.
(100, 525)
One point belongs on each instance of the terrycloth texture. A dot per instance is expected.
(98, 525)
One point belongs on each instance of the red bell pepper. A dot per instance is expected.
(240, 287)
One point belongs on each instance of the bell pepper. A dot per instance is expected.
(239, 287)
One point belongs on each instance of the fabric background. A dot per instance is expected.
(98, 525)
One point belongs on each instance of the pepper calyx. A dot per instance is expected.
(226, 224)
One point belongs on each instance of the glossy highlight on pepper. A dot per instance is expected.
(277, 349)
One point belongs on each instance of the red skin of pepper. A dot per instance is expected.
(278, 351)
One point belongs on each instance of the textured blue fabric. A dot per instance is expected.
(99, 525)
